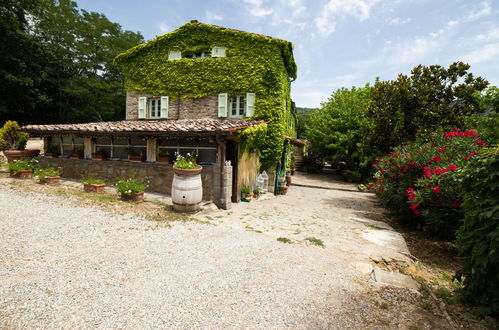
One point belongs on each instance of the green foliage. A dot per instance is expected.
(487, 125)
(90, 180)
(187, 162)
(478, 237)
(284, 240)
(489, 99)
(129, 186)
(23, 165)
(11, 137)
(42, 173)
(422, 182)
(315, 241)
(431, 97)
(245, 189)
(252, 138)
(302, 115)
(337, 129)
(254, 64)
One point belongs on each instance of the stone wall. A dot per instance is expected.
(158, 176)
(206, 107)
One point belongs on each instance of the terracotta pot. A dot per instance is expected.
(163, 159)
(288, 181)
(25, 174)
(50, 154)
(97, 157)
(135, 158)
(256, 196)
(136, 197)
(12, 155)
(283, 190)
(94, 187)
(195, 171)
(51, 180)
(74, 156)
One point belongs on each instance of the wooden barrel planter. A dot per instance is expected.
(187, 189)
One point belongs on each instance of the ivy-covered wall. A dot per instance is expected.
(253, 64)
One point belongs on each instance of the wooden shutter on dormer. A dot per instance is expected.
(164, 107)
(142, 107)
(250, 104)
(222, 105)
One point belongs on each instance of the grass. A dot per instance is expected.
(373, 226)
(284, 240)
(315, 241)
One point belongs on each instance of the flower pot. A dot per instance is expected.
(256, 196)
(97, 157)
(283, 190)
(24, 174)
(51, 180)
(165, 159)
(12, 155)
(136, 159)
(135, 196)
(94, 187)
(195, 171)
(288, 181)
(50, 154)
(74, 156)
(243, 195)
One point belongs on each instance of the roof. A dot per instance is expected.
(146, 127)
(295, 142)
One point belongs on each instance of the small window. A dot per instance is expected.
(174, 55)
(154, 108)
(218, 52)
(198, 55)
(237, 106)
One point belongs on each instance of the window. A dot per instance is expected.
(218, 52)
(237, 106)
(154, 108)
(198, 55)
(174, 55)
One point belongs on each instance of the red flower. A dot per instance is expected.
(436, 189)
(380, 180)
(381, 189)
(438, 171)
(409, 190)
(466, 158)
(473, 154)
(411, 196)
(441, 149)
(414, 208)
(427, 174)
(452, 167)
(481, 143)
(435, 159)
(456, 204)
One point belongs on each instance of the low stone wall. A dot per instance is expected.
(158, 176)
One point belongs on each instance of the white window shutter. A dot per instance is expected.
(218, 52)
(164, 107)
(222, 105)
(174, 55)
(250, 104)
(142, 107)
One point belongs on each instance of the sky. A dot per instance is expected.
(338, 43)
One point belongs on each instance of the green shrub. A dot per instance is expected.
(486, 125)
(478, 237)
(129, 186)
(23, 165)
(187, 162)
(42, 173)
(93, 181)
(421, 182)
(11, 137)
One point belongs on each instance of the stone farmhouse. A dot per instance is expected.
(222, 93)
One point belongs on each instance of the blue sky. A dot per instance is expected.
(338, 43)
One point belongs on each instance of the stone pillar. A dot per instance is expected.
(222, 200)
(151, 150)
(87, 147)
(271, 174)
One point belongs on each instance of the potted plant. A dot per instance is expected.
(76, 153)
(22, 168)
(288, 178)
(256, 192)
(283, 188)
(48, 175)
(99, 154)
(187, 185)
(131, 189)
(134, 155)
(51, 151)
(187, 165)
(92, 185)
(162, 156)
(245, 190)
(13, 142)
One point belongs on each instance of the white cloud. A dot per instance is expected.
(212, 17)
(163, 27)
(492, 34)
(359, 9)
(397, 21)
(484, 54)
(255, 8)
(483, 9)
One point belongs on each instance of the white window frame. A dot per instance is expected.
(238, 106)
(158, 108)
(174, 55)
(218, 52)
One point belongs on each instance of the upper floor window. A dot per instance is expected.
(218, 52)
(198, 55)
(237, 106)
(174, 55)
(154, 108)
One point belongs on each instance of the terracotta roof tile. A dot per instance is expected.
(153, 127)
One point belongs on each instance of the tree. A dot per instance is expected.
(431, 97)
(337, 129)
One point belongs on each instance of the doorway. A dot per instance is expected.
(232, 154)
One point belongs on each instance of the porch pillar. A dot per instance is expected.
(87, 147)
(151, 150)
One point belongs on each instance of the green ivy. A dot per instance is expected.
(253, 64)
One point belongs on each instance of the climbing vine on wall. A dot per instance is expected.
(253, 64)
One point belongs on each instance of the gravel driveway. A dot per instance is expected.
(67, 266)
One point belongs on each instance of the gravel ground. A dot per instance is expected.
(65, 266)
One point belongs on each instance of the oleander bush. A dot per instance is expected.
(478, 237)
(421, 182)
